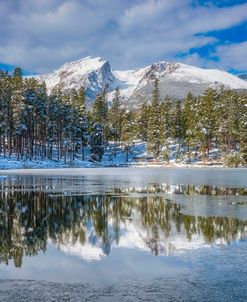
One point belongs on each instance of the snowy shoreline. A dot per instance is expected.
(137, 159)
(91, 168)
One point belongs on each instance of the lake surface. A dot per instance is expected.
(123, 235)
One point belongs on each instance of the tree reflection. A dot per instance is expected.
(185, 190)
(28, 219)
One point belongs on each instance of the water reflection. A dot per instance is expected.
(84, 185)
(90, 225)
(184, 190)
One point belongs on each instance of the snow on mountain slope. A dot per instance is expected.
(92, 73)
(130, 80)
(212, 76)
(175, 79)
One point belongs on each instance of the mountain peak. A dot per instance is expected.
(86, 64)
(93, 73)
(175, 79)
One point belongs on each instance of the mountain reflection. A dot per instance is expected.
(90, 225)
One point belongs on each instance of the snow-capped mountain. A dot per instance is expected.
(175, 79)
(91, 73)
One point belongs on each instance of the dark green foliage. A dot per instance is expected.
(35, 126)
(115, 120)
(100, 114)
(189, 122)
(96, 142)
(129, 131)
(178, 124)
(143, 119)
(154, 135)
(242, 123)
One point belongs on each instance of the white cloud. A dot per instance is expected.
(233, 56)
(42, 34)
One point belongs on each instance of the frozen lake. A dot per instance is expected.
(130, 234)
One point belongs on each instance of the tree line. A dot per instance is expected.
(35, 125)
(217, 119)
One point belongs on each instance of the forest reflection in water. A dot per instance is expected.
(30, 219)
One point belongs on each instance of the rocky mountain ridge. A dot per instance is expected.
(176, 79)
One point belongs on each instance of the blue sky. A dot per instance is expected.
(40, 35)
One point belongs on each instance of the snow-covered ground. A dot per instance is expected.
(137, 157)
(108, 160)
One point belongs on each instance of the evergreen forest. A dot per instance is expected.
(58, 126)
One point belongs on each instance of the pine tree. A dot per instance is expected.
(243, 129)
(55, 127)
(177, 124)
(189, 121)
(154, 132)
(207, 119)
(166, 125)
(6, 110)
(99, 110)
(234, 117)
(143, 119)
(97, 142)
(83, 127)
(40, 118)
(17, 100)
(29, 116)
(115, 119)
(129, 131)
(104, 110)
(78, 116)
